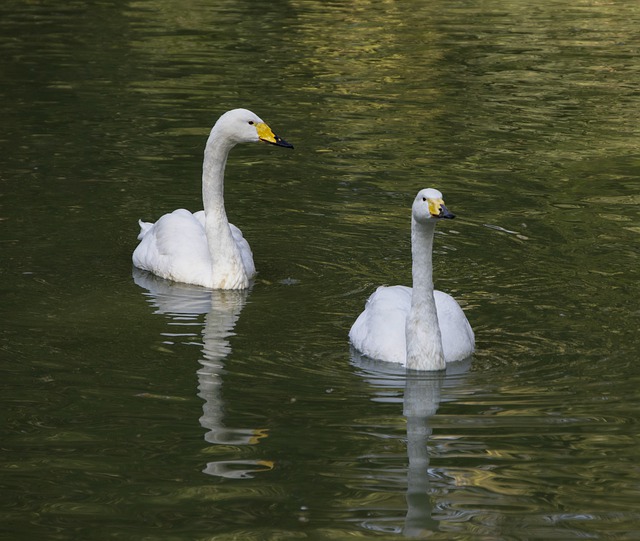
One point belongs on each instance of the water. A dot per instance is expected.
(134, 409)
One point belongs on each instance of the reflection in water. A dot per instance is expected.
(422, 395)
(184, 303)
(421, 401)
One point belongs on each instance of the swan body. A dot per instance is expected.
(418, 327)
(203, 248)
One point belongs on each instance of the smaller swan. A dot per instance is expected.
(420, 328)
(203, 248)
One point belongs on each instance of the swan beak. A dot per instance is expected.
(445, 213)
(438, 210)
(265, 134)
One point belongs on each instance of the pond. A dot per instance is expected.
(136, 408)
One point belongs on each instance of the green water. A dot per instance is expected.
(136, 409)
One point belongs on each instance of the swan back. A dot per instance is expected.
(182, 257)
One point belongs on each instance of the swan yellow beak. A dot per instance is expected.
(438, 210)
(265, 134)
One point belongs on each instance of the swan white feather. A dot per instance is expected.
(418, 327)
(203, 248)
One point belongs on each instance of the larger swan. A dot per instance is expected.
(420, 328)
(203, 248)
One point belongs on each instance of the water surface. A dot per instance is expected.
(137, 409)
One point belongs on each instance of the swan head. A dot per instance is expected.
(243, 126)
(428, 207)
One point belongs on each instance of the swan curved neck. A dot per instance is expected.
(424, 342)
(213, 166)
(225, 256)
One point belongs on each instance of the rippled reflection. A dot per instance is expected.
(184, 304)
(421, 399)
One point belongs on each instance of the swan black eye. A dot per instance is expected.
(424, 198)
(251, 122)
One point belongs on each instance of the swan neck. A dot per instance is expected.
(424, 342)
(226, 259)
(422, 257)
(215, 161)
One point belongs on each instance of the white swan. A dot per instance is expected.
(420, 328)
(203, 248)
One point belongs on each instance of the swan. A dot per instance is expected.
(203, 248)
(418, 327)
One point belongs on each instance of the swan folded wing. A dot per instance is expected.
(200, 216)
(458, 341)
(379, 331)
(245, 251)
(175, 248)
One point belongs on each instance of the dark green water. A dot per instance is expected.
(134, 409)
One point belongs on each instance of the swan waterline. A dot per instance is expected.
(420, 327)
(203, 248)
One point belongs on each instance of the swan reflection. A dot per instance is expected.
(421, 399)
(185, 305)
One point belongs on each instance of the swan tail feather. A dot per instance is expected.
(144, 228)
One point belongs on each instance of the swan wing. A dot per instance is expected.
(458, 340)
(379, 331)
(175, 247)
(200, 216)
(245, 251)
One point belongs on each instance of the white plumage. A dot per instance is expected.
(419, 327)
(203, 248)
